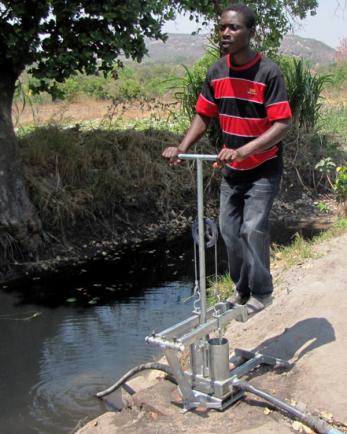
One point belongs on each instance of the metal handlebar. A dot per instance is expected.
(205, 157)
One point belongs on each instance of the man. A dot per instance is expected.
(246, 92)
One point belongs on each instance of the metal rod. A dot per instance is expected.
(206, 157)
(165, 343)
(202, 265)
(183, 327)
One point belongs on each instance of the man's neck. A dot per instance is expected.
(242, 58)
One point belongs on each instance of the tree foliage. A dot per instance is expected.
(58, 38)
(274, 17)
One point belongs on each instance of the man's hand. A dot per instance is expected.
(227, 155)
(171, 153)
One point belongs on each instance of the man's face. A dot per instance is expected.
(234, 36)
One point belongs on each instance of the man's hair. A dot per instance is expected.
(245, 11)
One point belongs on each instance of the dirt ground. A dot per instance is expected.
(89, 109)
(307, 325)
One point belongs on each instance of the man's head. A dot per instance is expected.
(236, 28)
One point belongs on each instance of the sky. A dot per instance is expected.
(329, 25)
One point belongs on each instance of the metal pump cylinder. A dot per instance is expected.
(219, 358)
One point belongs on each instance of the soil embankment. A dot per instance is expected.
(101, 191)
(96, 198)
(306, 324)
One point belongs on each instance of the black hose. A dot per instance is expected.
(131, 373)
(318, 425)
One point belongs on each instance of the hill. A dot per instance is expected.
(310, 49)
(179, 48)
(186, 48)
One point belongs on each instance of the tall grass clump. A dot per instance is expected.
(306, 146)
(78, 178)
(189, 87)
(304, 89)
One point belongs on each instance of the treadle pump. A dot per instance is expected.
(209, 382)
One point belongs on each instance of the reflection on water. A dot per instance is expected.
(52, 365)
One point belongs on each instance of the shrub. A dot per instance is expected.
(337, 73)
(131, 82)
(340, 185)
(304, 92)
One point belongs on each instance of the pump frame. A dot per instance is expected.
(204, 384)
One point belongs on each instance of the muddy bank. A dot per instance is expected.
(298, 214)
(102, 192)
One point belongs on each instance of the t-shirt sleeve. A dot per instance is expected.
(206, 104)
(276, 100)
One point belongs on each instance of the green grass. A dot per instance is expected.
(220, 289)
(302, 249)
(337, 73)
(299, 250)
(334, 121)
(124, 84)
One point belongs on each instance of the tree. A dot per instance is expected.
(274, 17)
(54, 39)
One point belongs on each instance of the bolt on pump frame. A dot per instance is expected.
(209, 381)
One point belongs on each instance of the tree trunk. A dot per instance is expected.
(20, 227)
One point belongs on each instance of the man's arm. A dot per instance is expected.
(265, 141)
(196, 130)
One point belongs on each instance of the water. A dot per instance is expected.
(53, 364)
(62, 340)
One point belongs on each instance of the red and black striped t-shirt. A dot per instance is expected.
(246, 99)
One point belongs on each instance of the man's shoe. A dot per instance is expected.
(257, 303)
(237, 298)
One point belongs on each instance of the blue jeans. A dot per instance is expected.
(244, 225)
